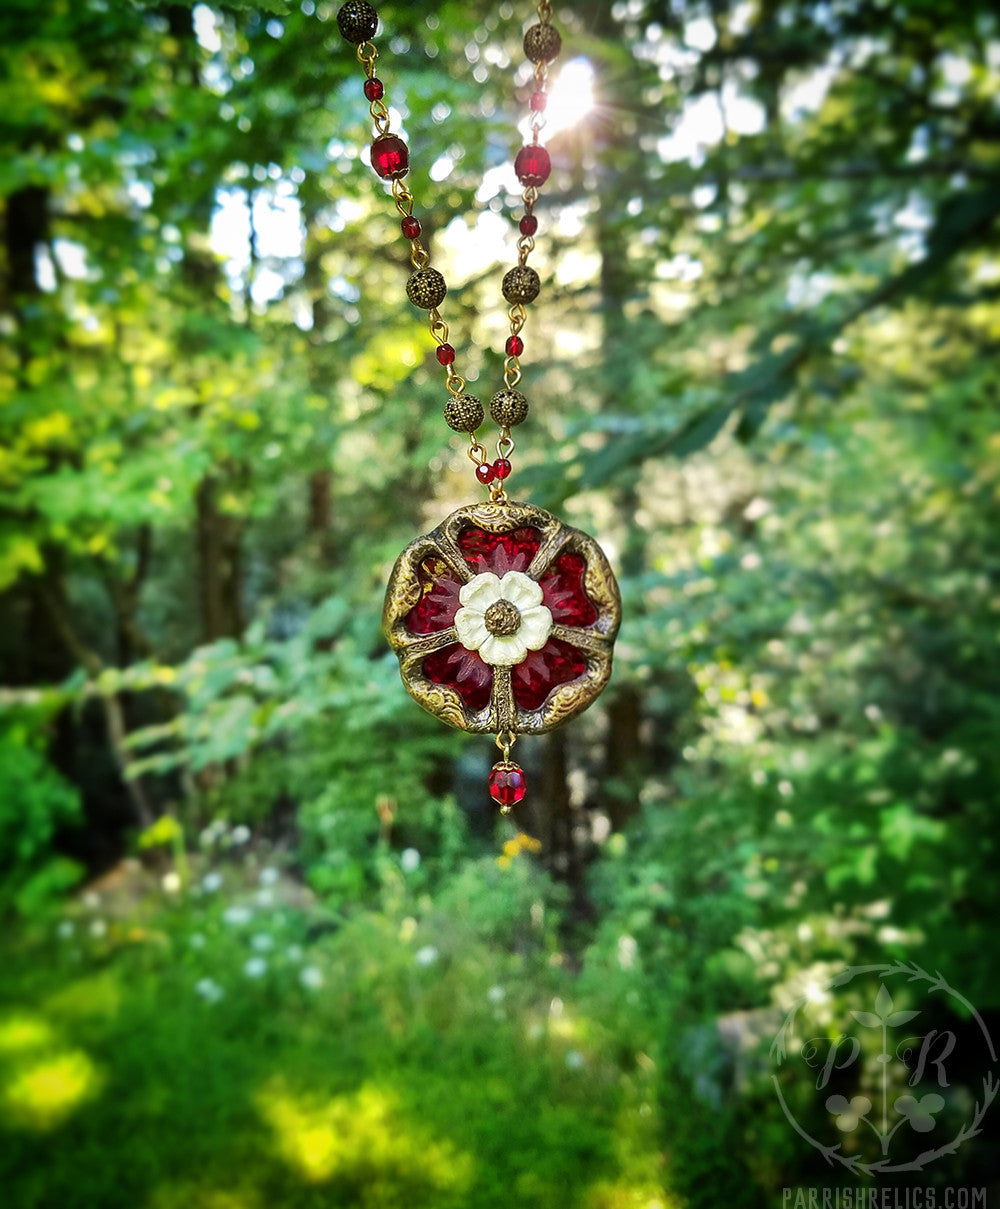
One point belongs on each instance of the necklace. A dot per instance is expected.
(503, 617)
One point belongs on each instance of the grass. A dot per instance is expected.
(173, 1059)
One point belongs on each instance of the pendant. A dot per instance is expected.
(503, 619)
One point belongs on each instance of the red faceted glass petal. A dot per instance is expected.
(499, 552)
(563, 593)
(507, 785)
(556, 663)
(436, 609)
(463, 671)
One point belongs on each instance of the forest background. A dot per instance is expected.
(264, 939)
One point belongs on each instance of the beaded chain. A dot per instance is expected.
(357, 21)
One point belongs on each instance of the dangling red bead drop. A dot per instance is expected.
(374, 89)
(528, 225)
(538, 101)
(515, 346)
(501, 468)
(507, 785)
(410, 226)
(485, 474)
(445, 354)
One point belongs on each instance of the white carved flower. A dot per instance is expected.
(502, 619)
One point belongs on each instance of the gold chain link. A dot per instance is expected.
(511, 372)
(505, 740)
(477, 453)
(367, 54)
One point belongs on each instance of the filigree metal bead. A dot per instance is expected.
(426, 289)
(509, 407)
(542, 43)
(521, 284)
(357, 21)
(463, 413)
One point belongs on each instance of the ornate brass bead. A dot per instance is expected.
(426, 289)
(521, 284)
(463, 413)
(357, 21)
(542, 43)
(508, 408)
(502, 618)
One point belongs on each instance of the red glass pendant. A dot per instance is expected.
(390, 157)
(528, 224)
(457, 682)
(515, 346)
(507, 785)
(410, 226)
(374, 89)
(533, 165)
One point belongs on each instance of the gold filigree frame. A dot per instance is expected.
(503, 714)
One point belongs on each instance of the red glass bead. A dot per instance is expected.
(515, 346)
(390, 157)
(507, 785)
(528, 225)
(538, 101)
(410, 227)
(374, 89)
(532, 165)
(485, 474)
(501, 467)
(445, 354)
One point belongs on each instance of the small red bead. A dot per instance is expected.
(390, 157)
(528, 225)
(374, 89)
(515, 346)
(410, 227)
(445, 354)
(501, 468)
(538, 101)
(507, 785)
(484, 472)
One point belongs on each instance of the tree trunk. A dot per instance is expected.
(220, 566)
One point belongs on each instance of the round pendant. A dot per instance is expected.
(503, 619)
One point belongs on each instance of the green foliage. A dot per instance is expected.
(35, 802)
(325, 1064)
(764, 371)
